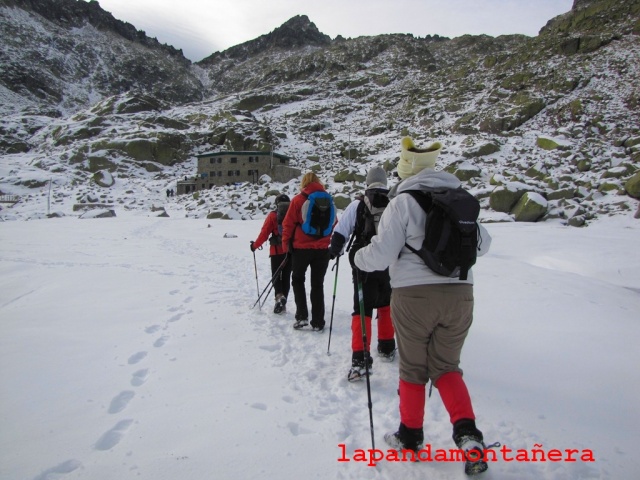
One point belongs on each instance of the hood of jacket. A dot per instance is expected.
(427, 179)
(313, 187)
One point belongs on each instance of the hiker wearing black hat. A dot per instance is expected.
(272, 230)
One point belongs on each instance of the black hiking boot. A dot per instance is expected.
(358, 368)
(387, 349)
(470, 440)
(281, 302)
(405, 439)
(317, 326)
(300, 322)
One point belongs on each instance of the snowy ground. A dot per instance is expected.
(129, 349)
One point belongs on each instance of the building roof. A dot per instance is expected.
(244, 153)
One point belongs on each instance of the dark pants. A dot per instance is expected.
(282, 281)
(376, 291)
(318, 260)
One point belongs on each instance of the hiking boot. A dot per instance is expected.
(358, 368)
(470, 440)
(281, 302)
(300, 322)
(405, 439)
(387, 357)
(387, 349)
(317, 326)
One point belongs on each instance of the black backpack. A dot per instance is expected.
(370, 209)
(451, 234)
(281, 211)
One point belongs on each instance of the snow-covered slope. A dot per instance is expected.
(129, 349)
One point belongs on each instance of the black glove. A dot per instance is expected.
(253, 249)
(337, 242)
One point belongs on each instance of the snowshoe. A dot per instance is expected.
(469, 439)
(300, 323)
(317, 327)
(357, 373)
(405, 439)
(280, 306)
(474, 456)
(358, 369)
(387, 356)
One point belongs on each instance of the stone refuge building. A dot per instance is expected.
(226, 168)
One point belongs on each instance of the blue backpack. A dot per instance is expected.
(318, 214)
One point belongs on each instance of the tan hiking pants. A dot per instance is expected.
(431, 323)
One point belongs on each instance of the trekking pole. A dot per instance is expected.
(255, 267)
(278, 272)
(333, 303)
(270, 284)
(264, 300)
(366, 354)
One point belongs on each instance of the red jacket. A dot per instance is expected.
(269, 227)
(292, 224)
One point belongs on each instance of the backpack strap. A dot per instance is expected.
(425, 201)
(359, 213)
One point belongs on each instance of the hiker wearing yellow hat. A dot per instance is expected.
(432, 309)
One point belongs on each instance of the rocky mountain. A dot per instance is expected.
(538, 128)
(58, 56)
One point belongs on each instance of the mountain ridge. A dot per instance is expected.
(335, 106)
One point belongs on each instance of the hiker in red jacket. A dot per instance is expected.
(272, 230)
(307, 251)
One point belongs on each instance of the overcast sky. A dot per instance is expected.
(201, 27)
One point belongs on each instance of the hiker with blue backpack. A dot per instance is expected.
(280, 264)
(306, 233)
(429, 237)
(355, 229)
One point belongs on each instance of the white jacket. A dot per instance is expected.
(347, 222)
(403, 222)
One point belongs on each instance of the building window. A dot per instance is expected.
(219, 160)
(230, 173)
(237, 173)
(234, 160)
(220, 173)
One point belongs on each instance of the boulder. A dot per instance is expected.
(465, 171)
(530, 208)
(504, 197)
(341, 201)
(563, 193)
(103, 178)
(548, 143)
(347, 176)
(98, 213)
(538, 171)
(482, 150)
(632, 186)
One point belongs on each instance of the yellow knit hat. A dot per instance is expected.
(414, 160)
